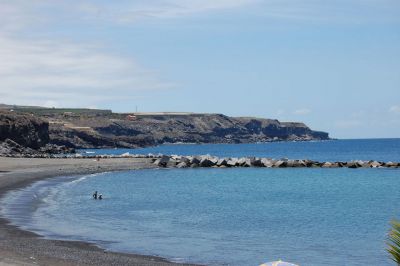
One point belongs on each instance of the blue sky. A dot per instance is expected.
(334, 65)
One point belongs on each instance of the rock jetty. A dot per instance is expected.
(208, 161)
(212, 161)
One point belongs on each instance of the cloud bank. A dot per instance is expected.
(36, 72)
(53, 72)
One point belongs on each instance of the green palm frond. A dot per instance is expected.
(394, 242)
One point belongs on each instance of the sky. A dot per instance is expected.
(332, 64)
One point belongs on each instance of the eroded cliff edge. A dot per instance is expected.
(35, 127)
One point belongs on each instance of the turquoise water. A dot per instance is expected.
(241, 216)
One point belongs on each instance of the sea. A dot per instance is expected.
(234, 216)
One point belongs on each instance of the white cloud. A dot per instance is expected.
(302, 111)
(59, 73)
(395, 109)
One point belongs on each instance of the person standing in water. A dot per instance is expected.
(100, 196)
(95, 195)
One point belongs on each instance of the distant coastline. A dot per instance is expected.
(52, 130)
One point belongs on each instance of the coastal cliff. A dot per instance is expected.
(26, 130)
(91, 128)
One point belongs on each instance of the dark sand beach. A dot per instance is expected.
(18, 247)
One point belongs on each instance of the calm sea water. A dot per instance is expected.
(338, 150)
(242, 216)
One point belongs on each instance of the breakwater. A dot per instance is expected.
(178, 161)
(212, 161)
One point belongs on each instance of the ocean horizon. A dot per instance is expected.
(236, 216)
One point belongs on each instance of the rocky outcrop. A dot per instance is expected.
(24, 134)
(26, 130)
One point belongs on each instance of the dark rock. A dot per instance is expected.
(341, 164)
(56, 149)
(257, 162)
(13, 148)
(232, 162)
(353, 164)
(185, 160)
(163, 161)
(195, 160)
(222, 162)
(206, 162)
(26, 130)
(249, 162)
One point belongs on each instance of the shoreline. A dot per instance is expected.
(20, 247)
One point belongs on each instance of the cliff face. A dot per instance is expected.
(145, 130)
(35, 127)
(26, 130)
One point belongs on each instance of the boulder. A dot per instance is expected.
(353, 164)
(214, 160)
(241, 162)
(248, 162)
(195, 160)
(206, 162)
(301, 163)
(375, 164)
(327, 165)
(390, 164)
(222, 162)
(232, 162)
(267, 162)
(280, 164)
(163, 161)
(182, 165)
(341, 164)
(363, 163)
(194, 165)
(172, 163)
(291, 163)
(257, 162)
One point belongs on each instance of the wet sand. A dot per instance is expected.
(18, 247)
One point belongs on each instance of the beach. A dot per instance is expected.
(18, 247)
